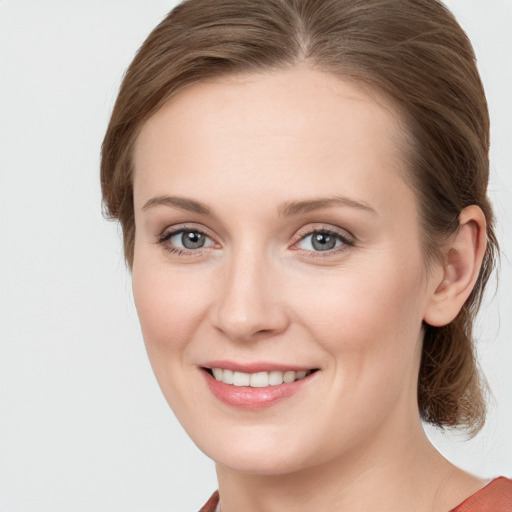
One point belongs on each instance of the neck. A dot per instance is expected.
(398, 471)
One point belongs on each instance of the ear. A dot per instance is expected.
(461, 264)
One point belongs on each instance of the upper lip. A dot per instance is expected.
(255, 367)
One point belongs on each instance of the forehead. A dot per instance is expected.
(290, 126)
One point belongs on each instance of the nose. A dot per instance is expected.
(249, 303)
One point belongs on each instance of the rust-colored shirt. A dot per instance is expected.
(494, 497)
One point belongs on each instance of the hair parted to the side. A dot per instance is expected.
(415, 53)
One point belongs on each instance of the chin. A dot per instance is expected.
(258, 451)
(258, 463)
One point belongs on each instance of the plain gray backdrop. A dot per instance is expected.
(83, 425)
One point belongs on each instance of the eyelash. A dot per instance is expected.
(164, 238)
(345, 240)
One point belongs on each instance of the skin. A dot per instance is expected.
(245, 147)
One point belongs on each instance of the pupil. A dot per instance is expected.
(323, 242)
(192, 240)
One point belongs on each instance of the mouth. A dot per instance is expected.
(256, 389)
(258, 379)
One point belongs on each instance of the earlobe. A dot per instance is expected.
(460, 268)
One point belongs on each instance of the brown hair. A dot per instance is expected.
(414, 52)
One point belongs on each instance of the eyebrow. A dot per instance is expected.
(288, 209)
(183, 203)
(300, 207)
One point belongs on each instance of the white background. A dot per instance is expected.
(83, 426)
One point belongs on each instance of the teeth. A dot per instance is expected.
(257, 380)
(275, 378)
(241, 379)
(227, 376)
(218, 373)
(288, 376)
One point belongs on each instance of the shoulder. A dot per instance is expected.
(496, 496)
(211, 504)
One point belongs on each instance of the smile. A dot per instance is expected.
(256, 389)
(259, 379)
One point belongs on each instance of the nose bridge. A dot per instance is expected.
(247, 302)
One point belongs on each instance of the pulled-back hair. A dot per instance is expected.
(412, 51)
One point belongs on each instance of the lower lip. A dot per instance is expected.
(245, 397)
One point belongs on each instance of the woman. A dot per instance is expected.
(302, 190)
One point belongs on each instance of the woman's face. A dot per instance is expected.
(278, 246)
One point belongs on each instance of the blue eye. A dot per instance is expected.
(188, 239)
(320, 241)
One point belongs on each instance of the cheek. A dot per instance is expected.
(370, 324)
(368, 314)
(169, 309)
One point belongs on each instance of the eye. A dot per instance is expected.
(186, 239)
(322, 241)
